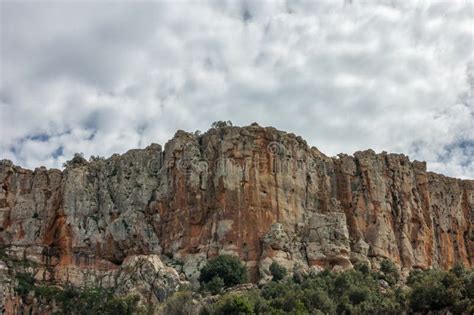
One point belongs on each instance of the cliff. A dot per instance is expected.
(259, 193)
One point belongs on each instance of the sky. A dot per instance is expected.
(103, 77)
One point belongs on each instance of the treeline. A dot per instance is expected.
(357, 291)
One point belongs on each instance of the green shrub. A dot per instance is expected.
(389, 272)
(357, 292)
(77, 160)
(234, 304)
(428, 293)
(362, 267)
(415, 276)
(436, 290)
(459, 270)
(229, 268)
(72, 300)
(275, 290)
(26, 283)
(48, 292)
(319, 299)
(278, 272)
(179, 303)
(215, 286)
(121, 305)
(358, 295)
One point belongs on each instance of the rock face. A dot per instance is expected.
(258, 193)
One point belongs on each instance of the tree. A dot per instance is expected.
(180, 303)
(77, 160)
(234, 304)
(278, 272)
(428, 292)
(437, 290)
(389, 272)
(229, 268)
(362, 267)
(221, 124)
(215, 285)
(358, 295)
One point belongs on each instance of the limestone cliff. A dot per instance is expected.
(256, 192)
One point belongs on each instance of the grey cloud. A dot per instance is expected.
(101, 78)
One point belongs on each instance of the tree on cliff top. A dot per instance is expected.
(77, 160)
(221, 124)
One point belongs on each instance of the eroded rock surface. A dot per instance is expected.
(258, 193)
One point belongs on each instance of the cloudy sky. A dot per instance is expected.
(104, 77)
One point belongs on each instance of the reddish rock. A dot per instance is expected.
(221, 193)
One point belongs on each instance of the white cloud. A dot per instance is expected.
(104, 77)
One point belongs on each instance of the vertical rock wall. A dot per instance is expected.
(260, 193)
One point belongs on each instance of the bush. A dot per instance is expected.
(229, 268)
(234, 304)
(358, 295)
(77, 160)
(388, 267)
(72, 300)
(121, 305)
(95, 301)
(215, 285)
(319, 299)
(437, 290)
(389, 272)
(362, 267)
(278, 272)
(221, 124)
(180, 303)
(357, 292)
(48, 292)
(428, 292)
(26, 283)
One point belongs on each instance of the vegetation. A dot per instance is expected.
(226, 269)
(439, 290)
(278, 272)
(94, 301)
(357, 291)
(389, 272)
(77, 160)
(26, 283)
(215, 286)
(180, 303)
(96, 158)
(72, 300)
(234, 304)
(221, 124)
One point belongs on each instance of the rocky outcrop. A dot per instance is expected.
(258, 193)
(147, 277)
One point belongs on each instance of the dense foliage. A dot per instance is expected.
(357, 291)
(72, 300)
(180, 303)
(438, 290)
(225, 269)
(278, 272)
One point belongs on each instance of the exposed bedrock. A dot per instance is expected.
(258, 193)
